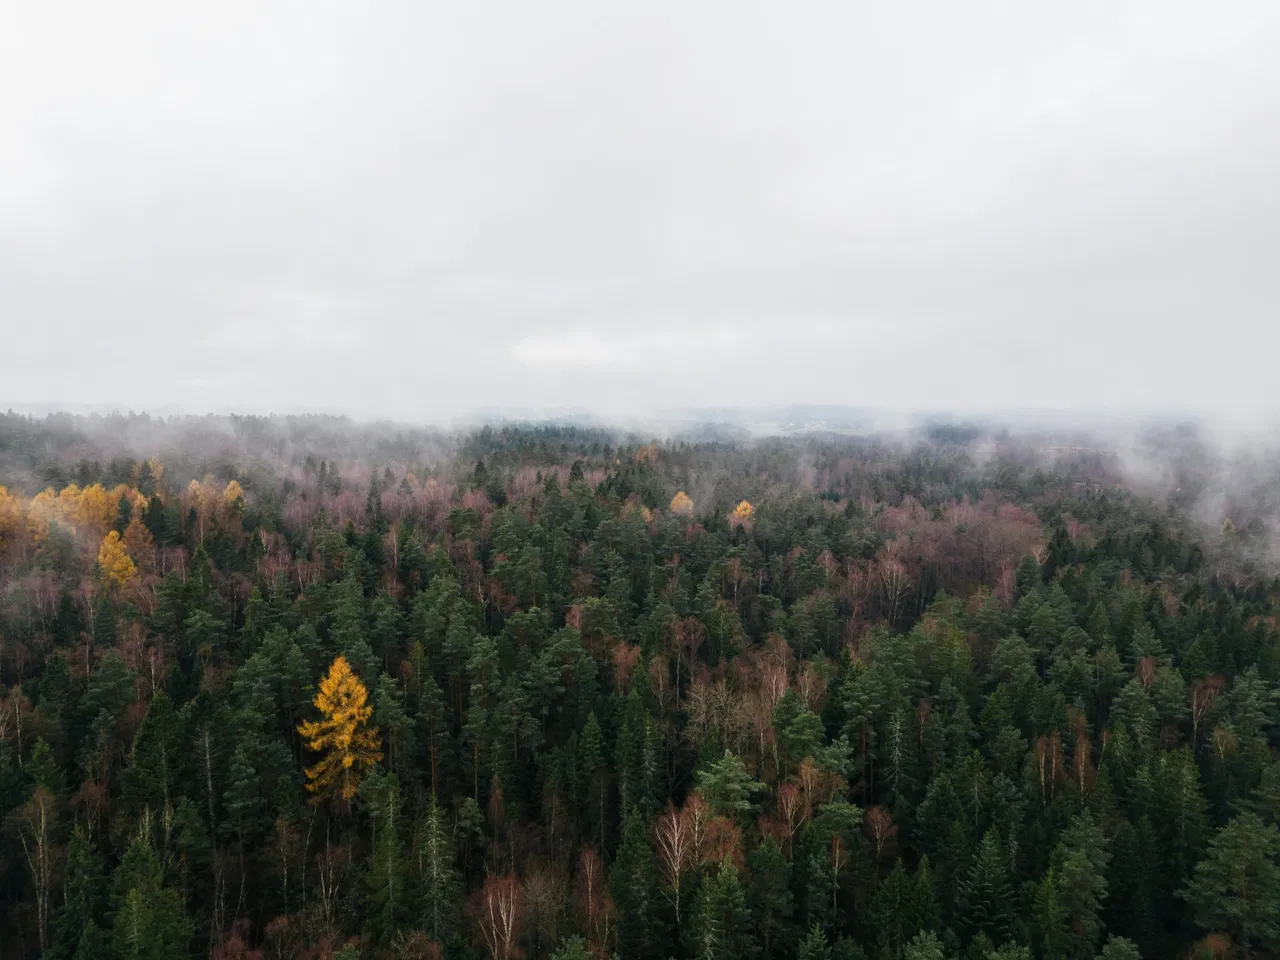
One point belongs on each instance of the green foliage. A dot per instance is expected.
(727, 787)
(722, 927)
(149, 922)
(1056, 700)
(575, 948)
(1236, 888)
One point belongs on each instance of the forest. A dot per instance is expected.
(303, 688)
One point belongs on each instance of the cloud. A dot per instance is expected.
(288, 323)
(654, 352)
(447, 206)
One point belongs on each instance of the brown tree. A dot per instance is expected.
(596, 909)
(499, 912)
(35, 828)
(881, 830)
(673, 837)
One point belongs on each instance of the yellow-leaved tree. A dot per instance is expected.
(10, 518)
(681, 505)
(114, 561)
(232, 492)
(349, 746)
(94, 509)
(741, 516)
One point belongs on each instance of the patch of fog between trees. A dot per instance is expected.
(189, 446)
(1222, 478)
(1207, 472)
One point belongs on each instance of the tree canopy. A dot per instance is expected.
(293, 688)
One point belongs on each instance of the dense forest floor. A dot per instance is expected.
(295, 688)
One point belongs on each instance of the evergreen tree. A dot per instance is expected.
(148, 921)
(386, 893)
(1236, 888)
(986, 894)
(769, 899)
(435, 874)
(634, 882)
(722, 927)
(76, 926)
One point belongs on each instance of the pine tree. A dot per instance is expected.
(769, 897)
(348, 744)
(156, 753)
(1069, 898)
(727, 787)
(814, 946)
(386, 903)
(1118, 948)
(75, 926)
(594, 781)
(634, 881)
(722, 928)
(243, 795)
(902, 906)
(835, 825)
(1236, 887)
(575, 948)
(483, 673)
(427, 708)
(149, 921)
(390, 715)
(986, 893)
(924, 946)
(435, 875)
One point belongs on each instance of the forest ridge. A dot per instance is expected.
(294, 688)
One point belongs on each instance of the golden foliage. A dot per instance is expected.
(681, 505)
(647, 454)
(633, 505)
(91, 510)
(744, 511)
(96, 509)
(136, 500)
(348, 744)
(41, 511)
(10, 517)
(114, 561)
(232, 493)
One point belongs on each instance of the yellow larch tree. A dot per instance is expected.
(66, 503)
(349, 746)
(41, 511)
(11, 518)
(681, 505)
(114, 561)
(233, 502)
(743, 512)
(94, 509)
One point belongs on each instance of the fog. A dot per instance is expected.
(429, 211)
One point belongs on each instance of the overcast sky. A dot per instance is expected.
(419, 209)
